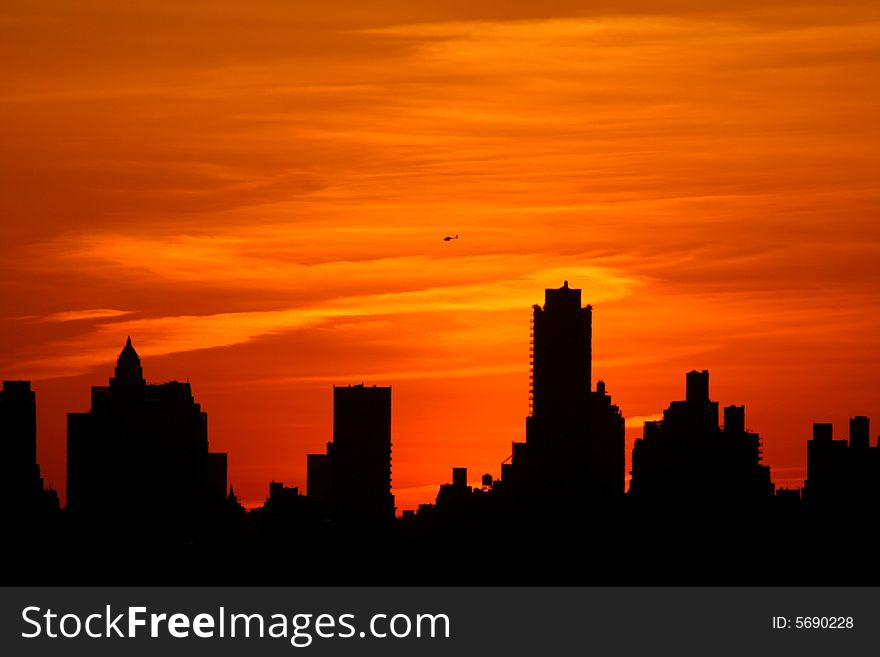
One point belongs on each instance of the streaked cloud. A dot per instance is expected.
(159, 336)
(88, 314)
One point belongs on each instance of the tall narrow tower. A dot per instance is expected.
(18, 431)
(360, 470)
(561, 358)
(573, 455)
(21, 486)
(20, 481)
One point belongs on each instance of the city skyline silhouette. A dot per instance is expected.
(129, 365)
(143, 483)
(262, 204)
(387, 292)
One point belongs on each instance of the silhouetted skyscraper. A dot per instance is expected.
(21, 486)
(842, 476)
(686, 459)
(361, 462)
(561, 360)
(139, 458)
(18, 433)
(558, 426)
(574, 449)
(355, 474)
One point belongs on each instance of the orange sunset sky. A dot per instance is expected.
(257, 193)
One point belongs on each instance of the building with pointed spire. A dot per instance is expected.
(128, 372)
(139, 458)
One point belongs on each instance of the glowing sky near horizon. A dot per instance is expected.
(257, 194)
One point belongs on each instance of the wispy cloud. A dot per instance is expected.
(83, 315)
(157, 336)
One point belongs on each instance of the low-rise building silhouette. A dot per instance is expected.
(454, 495)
